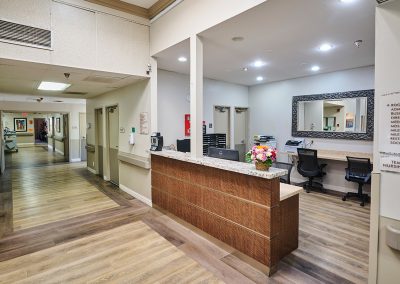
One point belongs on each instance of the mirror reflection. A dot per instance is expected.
(342, 115)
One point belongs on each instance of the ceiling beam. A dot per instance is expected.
(150, 13)
(123, 6)
(158, 7)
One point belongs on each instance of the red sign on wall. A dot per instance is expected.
(187, 125)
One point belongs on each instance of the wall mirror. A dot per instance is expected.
(347, 115)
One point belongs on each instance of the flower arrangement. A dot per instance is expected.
(263, 156)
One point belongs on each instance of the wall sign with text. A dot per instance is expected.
(389, 132)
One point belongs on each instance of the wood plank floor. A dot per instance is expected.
(132, 253)
(40, 197)
(333, 244)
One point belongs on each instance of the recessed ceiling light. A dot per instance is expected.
(245, 69)
(260, 78)
(182, 59)
(237, 38)
(325, 47)
(259, 63)
(53, 86)
(315, 68)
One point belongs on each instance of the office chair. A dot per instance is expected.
(358, 170)
(285, 166)
(309, 167)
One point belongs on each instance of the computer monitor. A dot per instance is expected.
(225, 154)
(183, 145)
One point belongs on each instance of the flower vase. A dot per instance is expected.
(262, 166)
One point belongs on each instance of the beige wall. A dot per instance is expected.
(131, 100)
(110, 40)
(387, 80)
(72, 109)
(23, 138)
(194, 17)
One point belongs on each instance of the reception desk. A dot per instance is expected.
(231, 201)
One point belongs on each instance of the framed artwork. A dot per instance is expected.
(58, 128)
(20, 124)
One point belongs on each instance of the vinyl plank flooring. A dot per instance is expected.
(63, 224)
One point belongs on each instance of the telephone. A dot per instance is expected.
(292, 145)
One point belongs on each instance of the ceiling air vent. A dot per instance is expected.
(382, 1)
(12, 32)
(75, 93)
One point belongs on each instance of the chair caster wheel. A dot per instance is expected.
(344, 198)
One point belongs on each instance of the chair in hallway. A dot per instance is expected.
(309, 167)
(359, 171)
(285, 166)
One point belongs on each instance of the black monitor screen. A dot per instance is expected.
(225, 154)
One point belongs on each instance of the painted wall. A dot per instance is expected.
(387, 80)
(173, 101)
(271, 107)
(72, 109)
(131, 100)
(22, 139)
(111, 41)
(194, 17)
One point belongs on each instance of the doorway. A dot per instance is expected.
(222, 122)
(113, 142)
(82, 136)
(99, 140)
(65, 122)
(240, 131)
(40, 130)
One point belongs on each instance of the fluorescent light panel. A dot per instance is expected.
(53, 86)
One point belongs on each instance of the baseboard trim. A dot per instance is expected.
(76, 160)
(138, 196)
(91, 170)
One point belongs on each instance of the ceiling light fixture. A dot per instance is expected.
(260, 78)
(182, 59)
(259, 63)
(53, 86)
(315, 68)
(325, 47)
(245, 69)
(346, 1)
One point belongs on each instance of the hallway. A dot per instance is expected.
(64, 224)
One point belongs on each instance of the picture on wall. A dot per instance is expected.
(20, 124)
(58, 127)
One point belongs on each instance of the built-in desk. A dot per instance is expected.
(247, 209)
(337, 155)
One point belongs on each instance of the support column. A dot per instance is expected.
(196, 96)
(153, 95)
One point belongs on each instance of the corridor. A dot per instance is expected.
(63, 224)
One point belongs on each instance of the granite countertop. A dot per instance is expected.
(238, 167)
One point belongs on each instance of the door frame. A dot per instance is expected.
(79, 129)
(247, 127)
(230, 120)
(66, 135)
(107, 140)
(96, 141)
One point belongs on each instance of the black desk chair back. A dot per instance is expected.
(309, 167)
(358, 170)
(285, 166)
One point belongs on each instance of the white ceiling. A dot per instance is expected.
(285, 34)
(29, 99)
(142, 3)
(17, 77)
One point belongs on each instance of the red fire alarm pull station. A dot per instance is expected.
(187, 124)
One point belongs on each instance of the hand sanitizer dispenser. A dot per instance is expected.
(132, 137)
